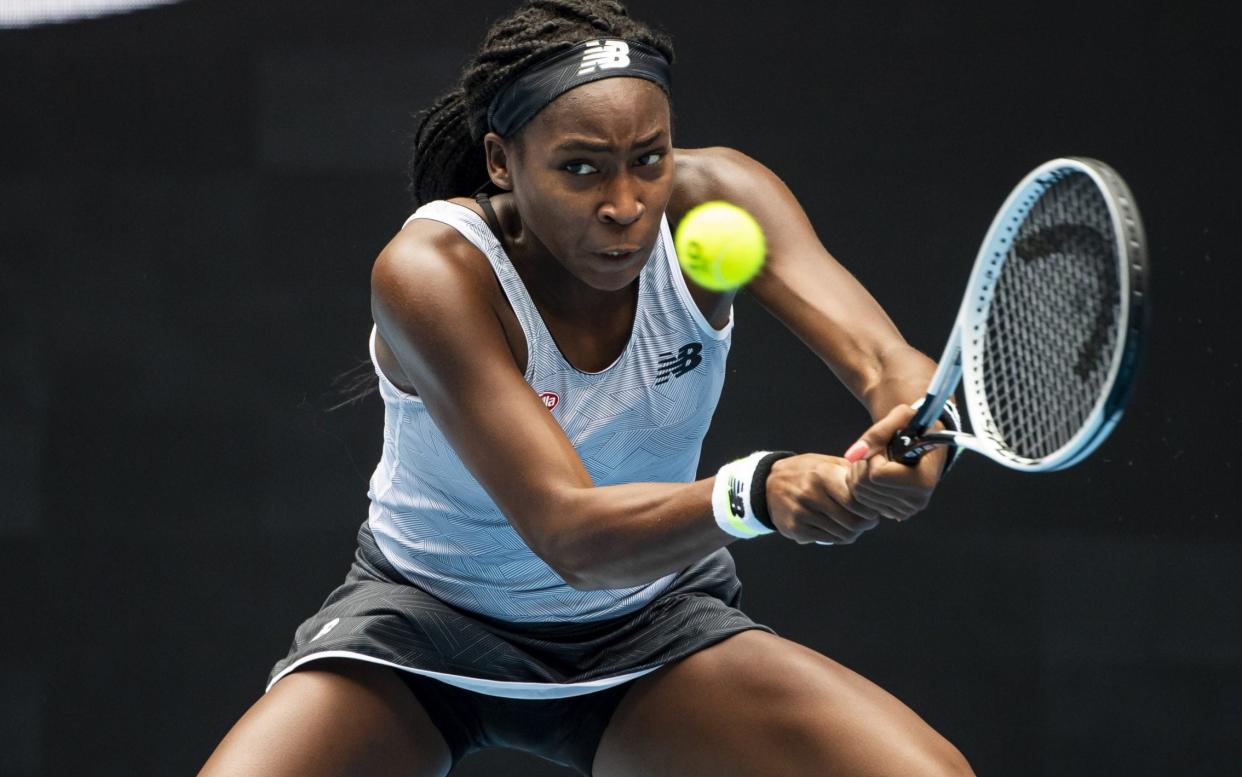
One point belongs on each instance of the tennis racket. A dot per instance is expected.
(1047, 339)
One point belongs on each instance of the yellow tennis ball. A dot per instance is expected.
(720, 246)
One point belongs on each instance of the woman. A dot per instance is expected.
(539, 569)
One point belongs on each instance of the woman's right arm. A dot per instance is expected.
(433, 306)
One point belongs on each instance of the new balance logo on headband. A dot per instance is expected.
(605, 55)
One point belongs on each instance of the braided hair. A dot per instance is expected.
(448, 159)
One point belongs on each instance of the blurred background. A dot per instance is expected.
(191, 197)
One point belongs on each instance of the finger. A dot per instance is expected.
(914, 483)
(843, 523)
(833, 532)
(884, 468)
(887, 499)
(840, 505)
(812, 527)
(887, 505)
(821, 537)
(832, 490)
(875, 439)
(882, 477)
(898, 499)
(828, 512)
(873, 476)
(824, 510)
(822, 529)
(813, 534)
(846, 490)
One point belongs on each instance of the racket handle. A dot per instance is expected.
(914, 441)
(904, 448)
(908, 445)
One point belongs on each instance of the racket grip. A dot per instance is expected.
(908, 446)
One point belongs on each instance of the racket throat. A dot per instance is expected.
(948, 373)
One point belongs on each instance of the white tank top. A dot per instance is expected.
(642, 419)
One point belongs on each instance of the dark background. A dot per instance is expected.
(190, 203)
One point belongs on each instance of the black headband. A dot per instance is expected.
(590, 60)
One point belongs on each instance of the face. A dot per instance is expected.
(591, 175)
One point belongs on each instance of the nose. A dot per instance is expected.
(622, 203)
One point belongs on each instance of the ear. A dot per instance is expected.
(499, 153)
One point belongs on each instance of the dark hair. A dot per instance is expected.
(447, 160)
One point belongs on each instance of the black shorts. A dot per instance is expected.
(564, 731)
(376, 615)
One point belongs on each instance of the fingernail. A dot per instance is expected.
(856, 452)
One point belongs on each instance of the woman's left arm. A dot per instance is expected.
(829, 310)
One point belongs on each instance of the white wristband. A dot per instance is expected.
(731, 498)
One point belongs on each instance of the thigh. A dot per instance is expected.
(339, 718)
(757, 704)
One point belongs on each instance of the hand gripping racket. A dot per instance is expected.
(1047, 338)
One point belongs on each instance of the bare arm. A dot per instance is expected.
(829, 310)
(815, 297)
(433, 305)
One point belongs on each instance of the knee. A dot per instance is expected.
(926, 756)
(847, 726)
(814, 750)
(945, 760)
(812, 716)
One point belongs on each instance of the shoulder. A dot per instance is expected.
(718, 173)
(433, 291)
(434, 297)
(727, 174)
(427, 258)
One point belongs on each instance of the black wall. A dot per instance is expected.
(190, 201)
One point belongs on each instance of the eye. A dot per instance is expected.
(580, 168)
(652, 158)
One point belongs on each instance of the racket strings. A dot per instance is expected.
(1052, 325)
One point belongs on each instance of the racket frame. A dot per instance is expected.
(963, 352)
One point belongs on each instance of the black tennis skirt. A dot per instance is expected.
(377, 615)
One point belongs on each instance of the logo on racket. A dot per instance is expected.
(1076, 242)
(605, 55)
(550, 399)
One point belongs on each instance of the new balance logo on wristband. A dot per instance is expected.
(732, 496)
(605, 55)
(736, 504)
(740, 495)
(676, 365)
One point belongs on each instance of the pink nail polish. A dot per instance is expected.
(857, 451)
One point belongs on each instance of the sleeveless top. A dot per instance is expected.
(641, 419)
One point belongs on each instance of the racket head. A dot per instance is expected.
(1052, 321)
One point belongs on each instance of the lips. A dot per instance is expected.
(619, 252)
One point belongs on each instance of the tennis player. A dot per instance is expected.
(540, 570)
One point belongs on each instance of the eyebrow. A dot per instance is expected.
(585, 144)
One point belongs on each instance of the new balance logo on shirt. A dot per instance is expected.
(676, 365)
(605, 55)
